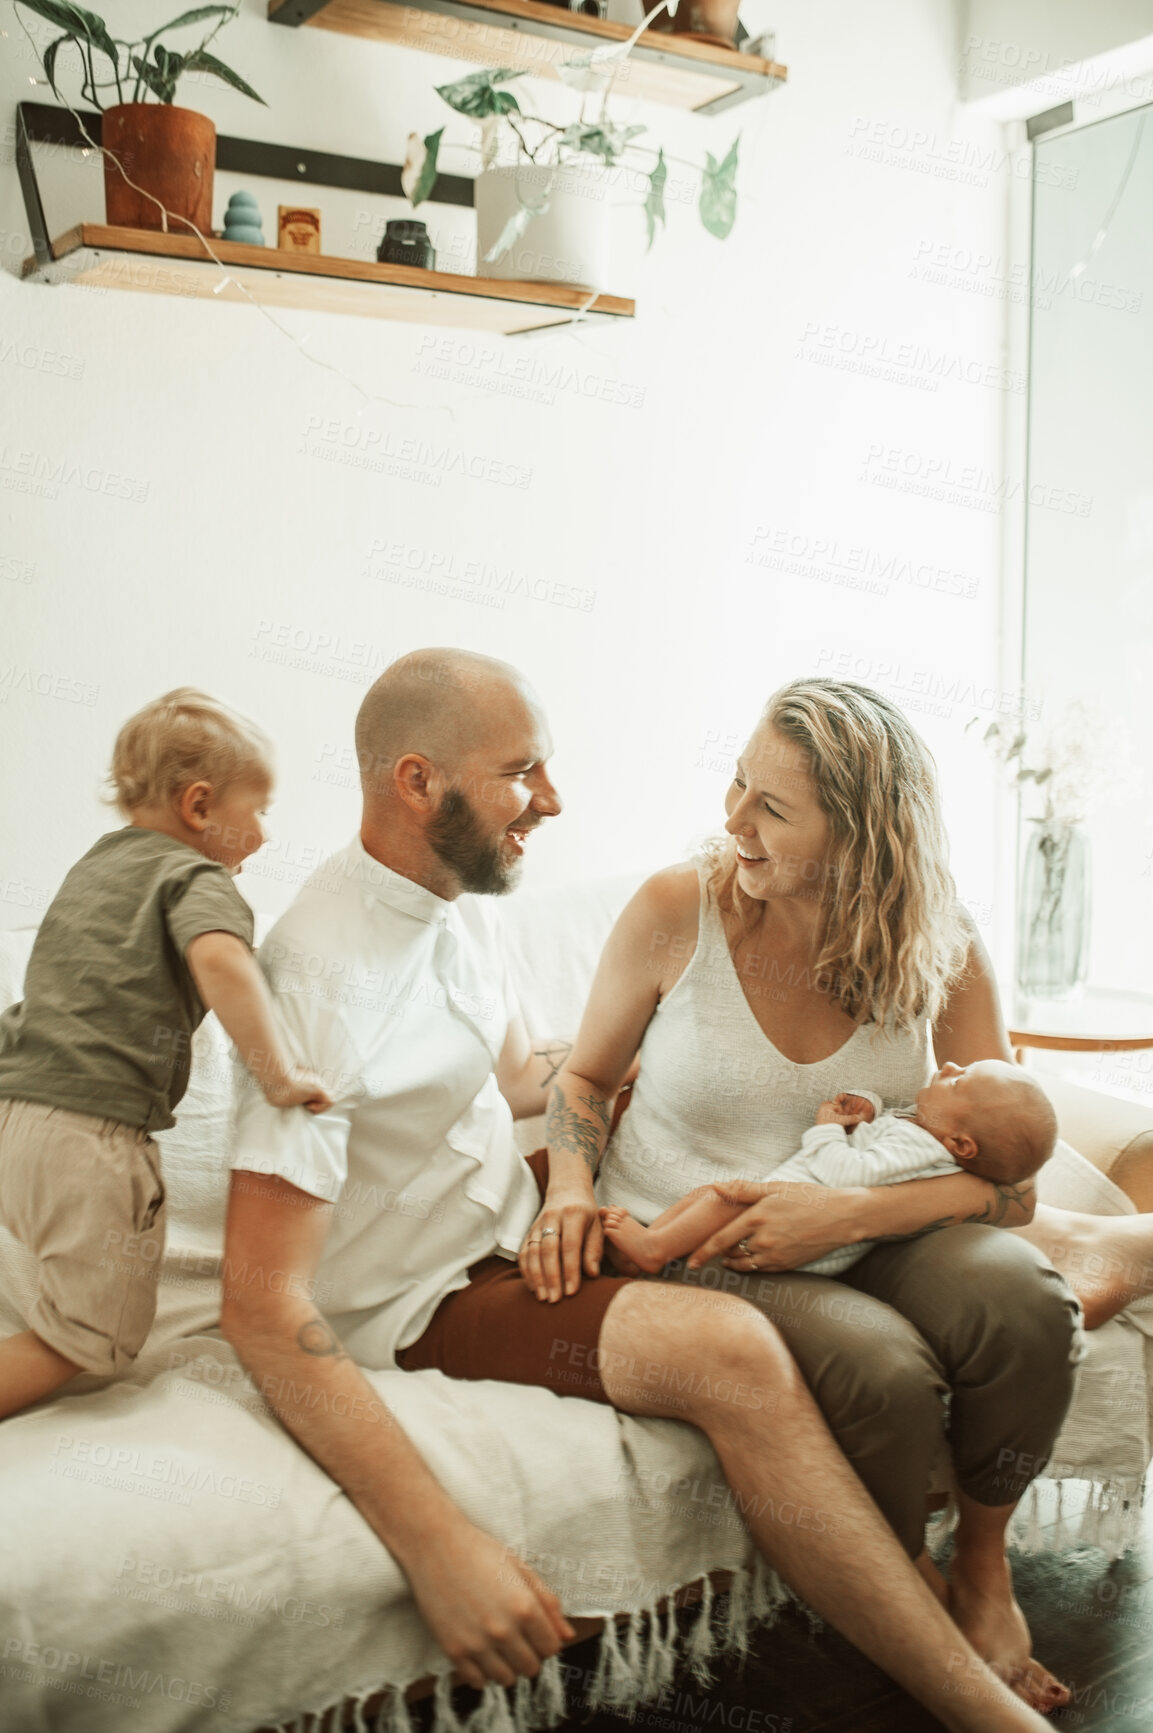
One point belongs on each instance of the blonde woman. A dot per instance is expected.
(820, 948)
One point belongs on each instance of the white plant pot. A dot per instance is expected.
(567, 243)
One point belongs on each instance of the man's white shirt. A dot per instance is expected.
(402, 1002)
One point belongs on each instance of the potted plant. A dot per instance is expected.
(555, 177)
(158, 159)
(1081, 759)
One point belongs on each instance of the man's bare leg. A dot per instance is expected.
(779, 1454)
(30, 1369)
(1106, 1260)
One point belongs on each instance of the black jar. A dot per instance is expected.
(406, 242)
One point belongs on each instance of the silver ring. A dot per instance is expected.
(743, 1246)
(547, 1232)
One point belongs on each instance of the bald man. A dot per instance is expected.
(407, 1202)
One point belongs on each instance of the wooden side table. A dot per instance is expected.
(1099, 1021)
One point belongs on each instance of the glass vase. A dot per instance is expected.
(1053, 912)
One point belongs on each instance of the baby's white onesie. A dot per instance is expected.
(888, 1151)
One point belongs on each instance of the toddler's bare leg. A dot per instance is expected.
(30, 1369)
(678, 1231)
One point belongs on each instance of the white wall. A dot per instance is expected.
(1089, 51)
(820, 399)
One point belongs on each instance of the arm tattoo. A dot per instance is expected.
(579, 1133)
(1003, 1199)
(554, 1056)
(991, 1214)
(318, 1338)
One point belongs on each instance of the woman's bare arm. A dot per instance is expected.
(971, 1025)
(646, 950)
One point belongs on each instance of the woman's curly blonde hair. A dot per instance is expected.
(894, 938)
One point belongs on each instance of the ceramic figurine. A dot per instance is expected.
(242, 220)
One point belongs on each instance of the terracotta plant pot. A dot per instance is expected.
(712, 21)
(170, 153)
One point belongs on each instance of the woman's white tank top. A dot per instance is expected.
(716, 1100)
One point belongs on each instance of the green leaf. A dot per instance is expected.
(49, 60)
(593, 71)
(477, 95)
(196, 16)
(655, 197)
(605, 141)
(156, 75)
(718, 201)
(426, 175)
(512, 232)
(86, 26)
(201, 61)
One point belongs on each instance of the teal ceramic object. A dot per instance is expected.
(242, 220)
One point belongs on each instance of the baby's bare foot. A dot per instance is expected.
(629, 1238)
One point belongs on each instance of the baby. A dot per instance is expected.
(989, 1118)
(146, 934)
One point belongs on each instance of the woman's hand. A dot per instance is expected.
(565, 1239)
(787, 1224)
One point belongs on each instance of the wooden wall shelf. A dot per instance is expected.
(98, 256)
(534, 37)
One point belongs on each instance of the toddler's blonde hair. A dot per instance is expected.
(187, 736)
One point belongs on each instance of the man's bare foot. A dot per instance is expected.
(984, 1608)
(629, 1237)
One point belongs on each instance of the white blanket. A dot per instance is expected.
(173, 1561)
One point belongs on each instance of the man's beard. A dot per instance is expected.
(457, 836)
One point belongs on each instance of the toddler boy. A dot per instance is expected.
(145, 936)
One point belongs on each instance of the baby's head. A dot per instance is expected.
(188, 765)
(991, 1117)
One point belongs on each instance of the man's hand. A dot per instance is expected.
(565, 1239)
(847, 1110)
(492, 1616)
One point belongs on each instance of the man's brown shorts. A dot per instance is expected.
(497, 1328)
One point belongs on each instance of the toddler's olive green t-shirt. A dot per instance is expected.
(109, 1005)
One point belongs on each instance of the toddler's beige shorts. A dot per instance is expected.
(85, 1195)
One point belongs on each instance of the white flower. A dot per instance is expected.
(1077, 762)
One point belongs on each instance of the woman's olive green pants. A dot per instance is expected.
(968, 1331)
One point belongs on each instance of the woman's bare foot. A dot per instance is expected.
(1106, 1260)
(985, 1610)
